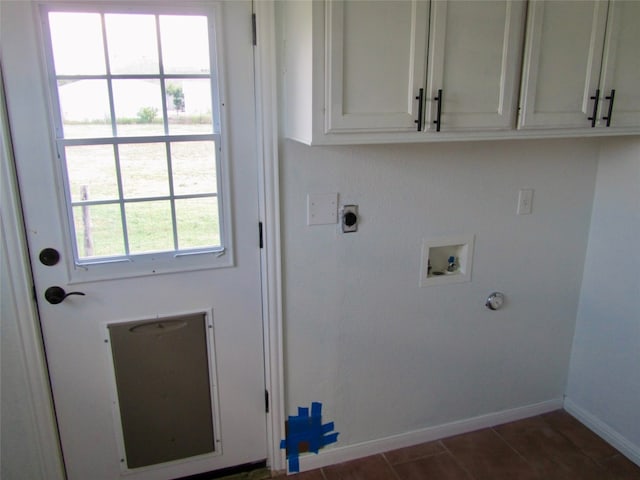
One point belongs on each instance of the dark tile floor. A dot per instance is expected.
(553, 446)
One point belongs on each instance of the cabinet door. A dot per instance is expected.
(621, 66)
(563, 51)
(474, 58)
(375, 64)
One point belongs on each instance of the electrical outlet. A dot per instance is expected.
(525, 200)
(350, 218)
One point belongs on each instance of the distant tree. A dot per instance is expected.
(175, 91)
(147, 114)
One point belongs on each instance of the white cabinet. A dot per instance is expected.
(385, 71)
(576, 55)
(474, 64)
(360, 71)
(621, 66)
(376, 53)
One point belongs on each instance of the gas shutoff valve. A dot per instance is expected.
(349, 218)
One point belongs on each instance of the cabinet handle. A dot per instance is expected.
(420, 99)
(610, 98)
(593, 116)
(439, 112)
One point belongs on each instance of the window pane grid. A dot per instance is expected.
(167, 146)
(141, 76)
(70, 142)
(112, 111)
(161, 209)
(163, 97)
(123, 212)
(144, 199)
(121, 202)
(109, 77)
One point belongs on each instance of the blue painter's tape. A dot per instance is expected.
(307, 429)
(297, 424)
(294, 463)
(327, 427)
(333, 438)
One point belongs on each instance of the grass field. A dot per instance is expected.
(145, 173)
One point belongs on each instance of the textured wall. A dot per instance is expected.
(385, 356)
(604, 379)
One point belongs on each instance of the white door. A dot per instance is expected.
(474, 62)
(133, 130)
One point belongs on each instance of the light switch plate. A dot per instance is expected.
(322, 208)
(525, 199)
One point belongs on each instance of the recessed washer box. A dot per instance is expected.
(436, 255)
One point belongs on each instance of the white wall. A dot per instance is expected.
(385, 356)
(604, 378)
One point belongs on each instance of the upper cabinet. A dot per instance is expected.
(382, 71)
(371, 71)
(620, 73)
(376, 52)
(474, 65)
(581, 65)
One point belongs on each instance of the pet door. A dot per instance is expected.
(163, 389)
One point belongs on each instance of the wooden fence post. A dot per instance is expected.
(86, 222)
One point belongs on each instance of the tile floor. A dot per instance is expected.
(553, 446)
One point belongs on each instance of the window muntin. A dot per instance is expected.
(138, 133)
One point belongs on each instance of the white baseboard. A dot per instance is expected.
(627, 448)
(364, 449)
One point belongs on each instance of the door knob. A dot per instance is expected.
(56, 295)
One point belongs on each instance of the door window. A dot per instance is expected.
(137, 128)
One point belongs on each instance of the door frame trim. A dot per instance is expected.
(40, 403)
(269, 204)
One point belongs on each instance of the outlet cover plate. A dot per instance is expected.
(322, 208)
